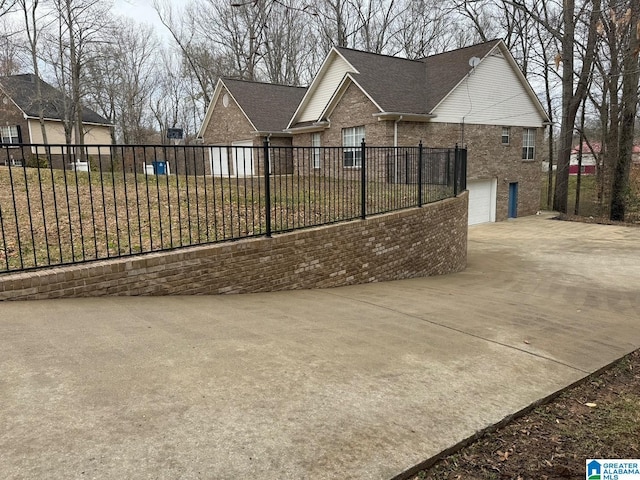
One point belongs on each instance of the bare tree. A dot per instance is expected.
(33, 24)
(287, 42)
(10, 59)
(120, 78)
(82, 25)
(169, 102)
(422, 29)
(628, 28)
(6, 6)
(337, 24)
(578, 28)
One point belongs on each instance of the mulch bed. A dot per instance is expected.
(599, 418)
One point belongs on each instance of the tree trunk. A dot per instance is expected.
(631, 75)
(570, 99)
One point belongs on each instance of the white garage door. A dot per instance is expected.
(219, 159)
(482, 201)
(243, 158)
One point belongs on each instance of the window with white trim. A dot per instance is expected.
(528, 143)
(506, 133)
(315, 143)
(9, 134)
(351, 142)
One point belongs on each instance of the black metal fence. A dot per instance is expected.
(63, 204)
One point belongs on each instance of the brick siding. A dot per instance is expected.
(12, 115)
(431, 240)
(487, 157)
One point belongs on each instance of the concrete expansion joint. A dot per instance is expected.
(479, 337)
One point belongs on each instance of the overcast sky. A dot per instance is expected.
(141, 11)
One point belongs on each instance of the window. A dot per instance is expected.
(528, 143)
(10, 134)
(351, 140)
(315, 143)
(506, 131)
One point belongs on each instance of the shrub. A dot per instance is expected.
(37, 162)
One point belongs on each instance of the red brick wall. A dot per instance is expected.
(11, 115)
(431, 240)
(488, 158)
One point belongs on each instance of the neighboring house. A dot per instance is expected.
(590, 157)
(241, 114)
(474, 97)
(20, 113)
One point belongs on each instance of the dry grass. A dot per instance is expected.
(49, 217)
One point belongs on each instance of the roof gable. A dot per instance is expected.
(22, 90)
(322, 88)
(395, 84)
(446, 70)
(475, 98)
(340, 91)
(268, 106)
(400, 85)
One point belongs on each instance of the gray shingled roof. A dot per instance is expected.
(22, 90)
(395, 84)
(269, 106)
(412, 86)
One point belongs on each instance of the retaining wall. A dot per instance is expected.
(431, 240)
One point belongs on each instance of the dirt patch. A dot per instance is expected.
(600, 418)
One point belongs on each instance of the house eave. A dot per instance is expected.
(49, 119)
(315, 127)
(272, 133)
(406, 117)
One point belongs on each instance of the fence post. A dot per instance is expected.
(363, 180)
(456, 171)
(420, 174)
(267, 186)
(463, 170)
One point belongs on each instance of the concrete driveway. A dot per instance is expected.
(359, 382)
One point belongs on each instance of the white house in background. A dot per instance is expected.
(590, 157)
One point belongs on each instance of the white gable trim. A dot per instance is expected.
(514, 66)
(337, 95)
(207, 116)
(316, 81)
(220, 86)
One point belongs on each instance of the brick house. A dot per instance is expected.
(240, 115)
(474, 96)
(19, 116)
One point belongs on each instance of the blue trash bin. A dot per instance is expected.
(160, 167)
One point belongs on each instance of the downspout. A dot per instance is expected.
(395, 146)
